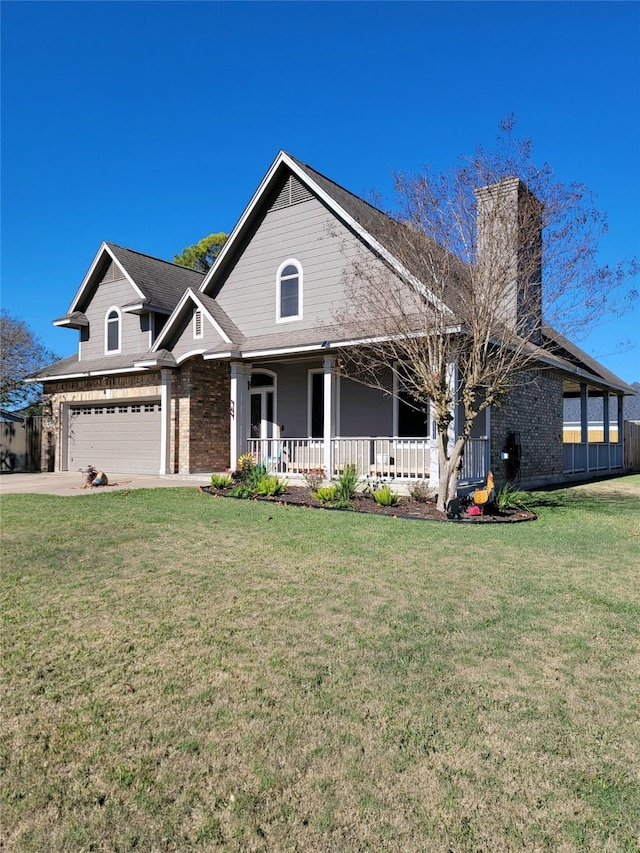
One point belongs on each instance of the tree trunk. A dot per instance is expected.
(449, 466)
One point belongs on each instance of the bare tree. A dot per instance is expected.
(21, 353)
(453, 304)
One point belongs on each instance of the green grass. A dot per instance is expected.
(184, 672)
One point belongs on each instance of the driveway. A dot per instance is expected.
(72, 483)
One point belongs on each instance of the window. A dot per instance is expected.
(413, 417)
(112, 330)
(289, 292)
(316, 404)
(197, 324)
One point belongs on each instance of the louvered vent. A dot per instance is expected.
(197, 324)
(293, 192)
(113, 272)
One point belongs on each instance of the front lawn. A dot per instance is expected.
(185, 673)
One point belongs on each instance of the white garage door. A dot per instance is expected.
(123, 438)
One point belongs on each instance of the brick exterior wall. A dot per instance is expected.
(93, 389)
(535, 410)
(200, 405)
(201, 420)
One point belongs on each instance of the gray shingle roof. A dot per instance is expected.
(221, 317)
(72, 366)
(162, 282)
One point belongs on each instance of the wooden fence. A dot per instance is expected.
(632, 445)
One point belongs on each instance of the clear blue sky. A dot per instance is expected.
(151, 124)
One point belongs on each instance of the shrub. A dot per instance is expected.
(314, 478)
(270, 486)
(511, 497)
(385, 497)
(221, 481)
(420, 492)
(325, 494)
(346, 484)
(248, 477)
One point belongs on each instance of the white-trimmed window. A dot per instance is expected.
(113, 330)
(198, 331)
(289, 291)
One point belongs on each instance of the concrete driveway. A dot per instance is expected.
(72, 483)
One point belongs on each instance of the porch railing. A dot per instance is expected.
(592, 456)
(475, 463)
(372, 457)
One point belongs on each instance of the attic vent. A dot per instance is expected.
(293, 192)
(197, 324)
(113, 272)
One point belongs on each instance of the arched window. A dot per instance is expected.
(112, 332)
(289, 291)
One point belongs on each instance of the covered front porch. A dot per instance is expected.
(593, 429)
(300, 416)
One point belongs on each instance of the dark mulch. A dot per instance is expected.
(407, 508)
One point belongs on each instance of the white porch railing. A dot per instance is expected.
(385, 458)
(406, 458)
(592, 457)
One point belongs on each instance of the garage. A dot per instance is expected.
(120, 437)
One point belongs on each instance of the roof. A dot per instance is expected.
(162, 282)
(159, 284)
(73, 367)
(558, 345)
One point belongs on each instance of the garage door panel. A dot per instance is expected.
(123, 438)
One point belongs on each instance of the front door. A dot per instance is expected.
(262, 426)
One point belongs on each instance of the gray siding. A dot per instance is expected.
(187, 343)
(364, 411)
(311, 235)
(133, 339)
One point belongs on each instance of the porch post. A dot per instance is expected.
(620, 400)
(584, 422)
(239, 391)
(165, 422)
(605, 417)
(327, 364)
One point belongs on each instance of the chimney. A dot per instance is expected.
(509, 255)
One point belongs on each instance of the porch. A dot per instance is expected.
(592, 430)
(406, 459)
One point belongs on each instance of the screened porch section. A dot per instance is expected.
(592, 431)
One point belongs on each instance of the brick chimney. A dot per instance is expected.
(509, 254)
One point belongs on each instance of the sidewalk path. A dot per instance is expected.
(72, 483)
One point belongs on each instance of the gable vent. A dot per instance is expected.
(293, 192)
(112, 273)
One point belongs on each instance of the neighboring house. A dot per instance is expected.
(180, 372)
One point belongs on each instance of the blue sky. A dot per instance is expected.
(151, 124)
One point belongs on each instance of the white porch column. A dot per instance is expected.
(165, 422)
(240, 374)
(584, 422)
(327, 433)
(605, 417)
(620, 400)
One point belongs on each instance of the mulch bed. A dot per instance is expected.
(407, 508)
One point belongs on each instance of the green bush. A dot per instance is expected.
(270, 486)
(511, 497)
(325, 494)
(385, 497)
(221, 481)
(346, 484)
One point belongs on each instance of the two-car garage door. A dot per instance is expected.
(123, 438)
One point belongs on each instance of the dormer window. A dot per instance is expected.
(113, 322)
(289, 292)
(197, 324)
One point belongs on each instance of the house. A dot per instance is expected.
(181, 372)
